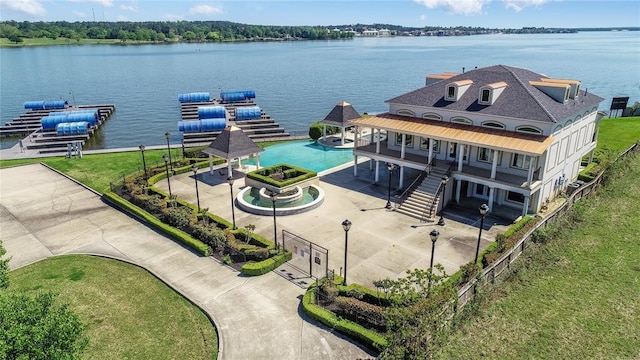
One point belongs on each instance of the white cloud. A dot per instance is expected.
(518, 5)
(131, 7)
(105, 3)
(466, 7)
(31, 7)
(205, 9)
(79, 14)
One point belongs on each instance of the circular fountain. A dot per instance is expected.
(295, 200)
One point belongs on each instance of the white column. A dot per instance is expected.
(460, 155)
(494, 166)
(229, 168)
(430, 150)
(530, 173)
(490, 204)
(404, 138)
(355, 136)
(377, 175)
(378, 143)
(458, 186)
(344, 130)
(525, 206)
(401, 182)
(355, 165)
(324, 131)
(258, 161)
(211, 164)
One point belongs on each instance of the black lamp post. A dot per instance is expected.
(194, 167)
(484, 209)
(166, 168)
(434, 234)
(233, 211)
(390, 167)
(274, 197)
(346, 225)
(144, 162)
(167, 135)
(445, 180)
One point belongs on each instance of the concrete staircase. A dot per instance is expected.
(419, 201)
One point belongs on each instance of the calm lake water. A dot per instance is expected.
(297, 83)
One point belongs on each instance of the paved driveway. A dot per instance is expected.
(44, 214)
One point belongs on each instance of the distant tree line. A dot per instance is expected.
(161, 31)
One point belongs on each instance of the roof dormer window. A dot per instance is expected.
(574, 84)
(558, 91)
(490, 93)
(456, 89)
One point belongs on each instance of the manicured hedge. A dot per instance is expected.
(265, 266)
(172, 232)
(266, 179)
(357, 332)
(588, 174)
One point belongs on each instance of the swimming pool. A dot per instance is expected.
(305, 154)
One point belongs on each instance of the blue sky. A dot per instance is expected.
(415, 13)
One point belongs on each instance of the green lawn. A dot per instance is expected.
(577, 297)
(128, 313)
(619, 133)
(97, 170)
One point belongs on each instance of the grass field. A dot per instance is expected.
(577, 297)
(619, 133)
(128, 313)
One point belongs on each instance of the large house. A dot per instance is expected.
(510, 136)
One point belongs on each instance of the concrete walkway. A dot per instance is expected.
(44, 214)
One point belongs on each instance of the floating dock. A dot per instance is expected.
(261, 128)
(29, 125)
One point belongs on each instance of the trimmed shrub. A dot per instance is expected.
(315, 131)
(263, 267)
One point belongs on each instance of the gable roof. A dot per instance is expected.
(520, 99)
(232, 143)
(340, 115)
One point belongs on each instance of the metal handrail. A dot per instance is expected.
(438, 192)
(425, 172)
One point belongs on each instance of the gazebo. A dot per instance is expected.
(232, 143)
(339, 116)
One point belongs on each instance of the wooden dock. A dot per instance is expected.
(29, 125)
(262, 129)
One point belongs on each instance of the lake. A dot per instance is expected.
(296, 82)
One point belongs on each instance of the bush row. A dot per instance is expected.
(507, 240)
(293, 174)
(265, 266)
(154, 222)
(355, 331)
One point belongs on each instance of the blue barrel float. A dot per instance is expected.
(45, 105)
(248, 112)
(202, 125)
(72, 128)
(211, 112)
(50, 122)
(194, 97)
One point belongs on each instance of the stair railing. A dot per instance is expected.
(405, 194)
(437, 195)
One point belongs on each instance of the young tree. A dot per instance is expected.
(419, 315)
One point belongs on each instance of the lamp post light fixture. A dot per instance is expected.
(274, 197)
(484, 209)
(390, 167)
(144, 162)
(166, 168)
(167, 135)
(194, 167)
(346, 225)
(233, 211)
(434, 234)
(444, 181)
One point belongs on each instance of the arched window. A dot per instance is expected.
(462, 120)
(431, 116)
(405, 112)
(493, 124)
(531, 129)
(557, 128)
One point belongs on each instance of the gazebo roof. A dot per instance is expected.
(232, 143)
(340, 115)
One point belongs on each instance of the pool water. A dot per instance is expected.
(305, 154)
